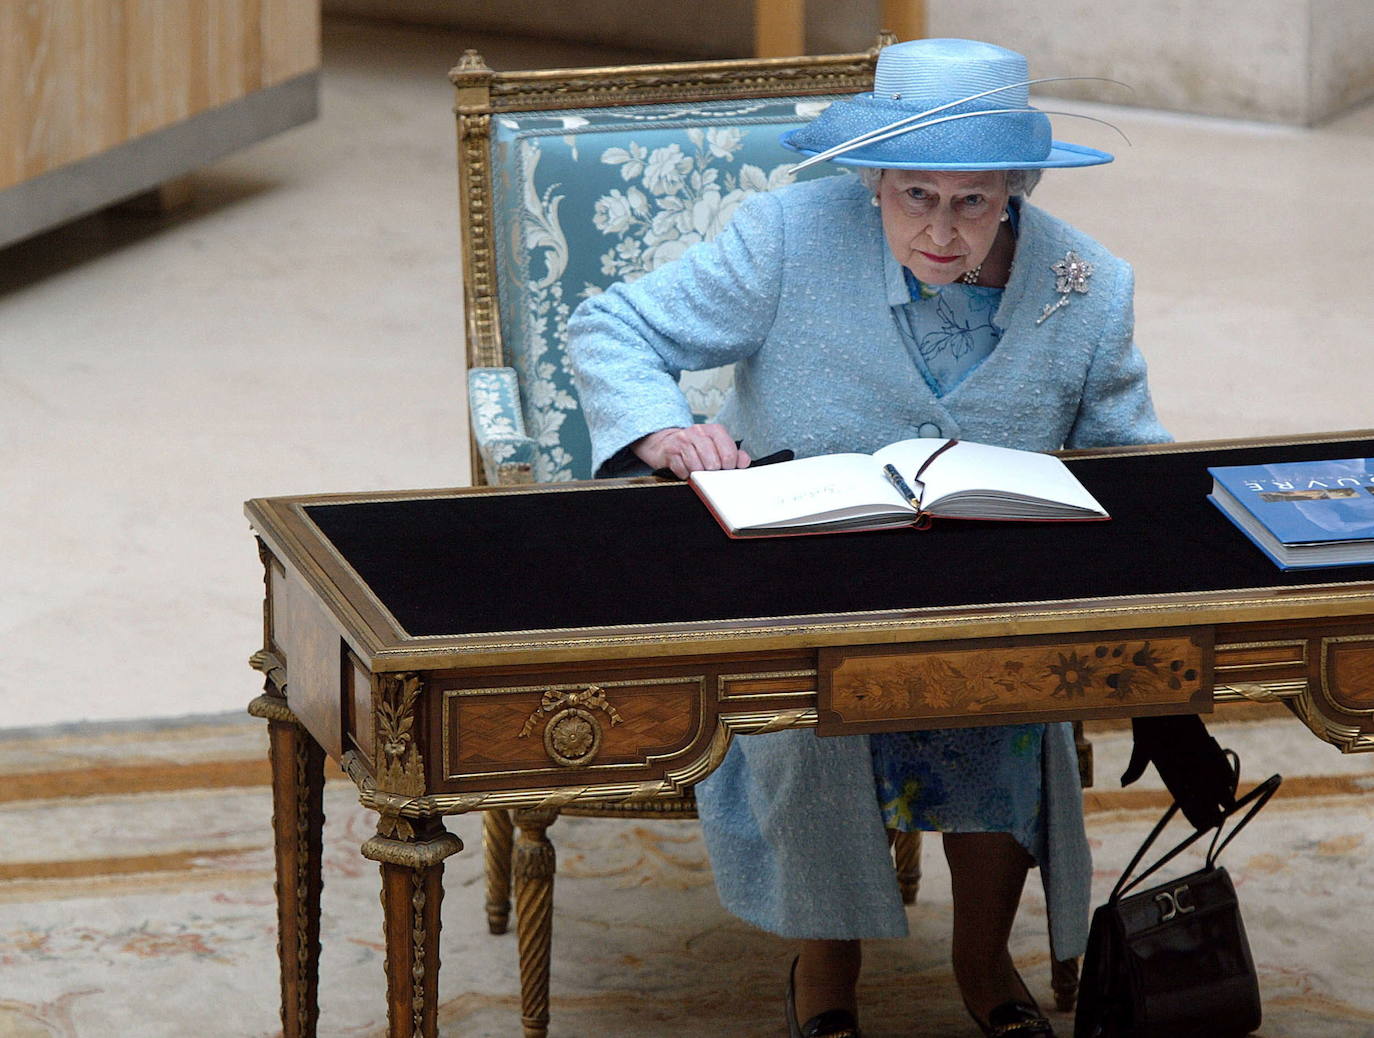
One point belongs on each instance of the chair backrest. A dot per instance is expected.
(573, 179)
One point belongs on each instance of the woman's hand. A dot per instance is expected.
(691, 449)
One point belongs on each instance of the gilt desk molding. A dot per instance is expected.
(543, 647)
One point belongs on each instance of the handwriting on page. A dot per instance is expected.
(809, 497)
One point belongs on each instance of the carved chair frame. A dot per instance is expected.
(482, 94)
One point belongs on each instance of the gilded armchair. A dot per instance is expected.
(570, 180)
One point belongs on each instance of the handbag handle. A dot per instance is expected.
(1125, 883)
(1255, 799)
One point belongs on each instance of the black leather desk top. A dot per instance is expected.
(633, 555)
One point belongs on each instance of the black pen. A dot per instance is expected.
(897, 481)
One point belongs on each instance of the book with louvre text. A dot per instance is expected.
(1304, 514)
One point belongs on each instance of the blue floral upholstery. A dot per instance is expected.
(498, 425)
(585, 198)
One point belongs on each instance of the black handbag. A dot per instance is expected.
(1172, 961)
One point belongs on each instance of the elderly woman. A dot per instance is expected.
(924, 297)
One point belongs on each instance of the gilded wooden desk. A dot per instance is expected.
(460, 650)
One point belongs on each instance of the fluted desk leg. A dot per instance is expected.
(412, 892)
(298, 825)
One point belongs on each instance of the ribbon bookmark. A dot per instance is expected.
(917, 501)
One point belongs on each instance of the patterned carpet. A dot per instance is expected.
(136, 900)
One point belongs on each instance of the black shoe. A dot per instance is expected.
(1014, 1019)
(833, 1023)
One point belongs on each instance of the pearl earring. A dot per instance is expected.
(874, 200)
(1006, 215)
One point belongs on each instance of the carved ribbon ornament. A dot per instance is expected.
(572, 735)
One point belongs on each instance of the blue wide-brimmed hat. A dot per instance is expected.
(944, 105)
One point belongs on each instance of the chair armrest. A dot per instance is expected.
(498, 429)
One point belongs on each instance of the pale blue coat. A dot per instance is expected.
(798, 293)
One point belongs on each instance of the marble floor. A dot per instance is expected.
(298, 328)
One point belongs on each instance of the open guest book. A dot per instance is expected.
(903, 484)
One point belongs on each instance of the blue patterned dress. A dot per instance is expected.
(949, 330)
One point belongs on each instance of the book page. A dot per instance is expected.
(977, 480)
(803, 492)
(907, 456)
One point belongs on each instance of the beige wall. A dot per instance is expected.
(1342, 69)
(686, 28)
(1290, 61)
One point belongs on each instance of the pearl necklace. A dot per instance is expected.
(970, 277)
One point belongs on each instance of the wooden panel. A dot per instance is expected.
(12, 75)
(359, 730)
(49, 53)
(290, 38)
(779, 28)
(160, 56)
(906, 19)
(315, 654)
(1261, 656)
(102, 74)
(559, 727)
(1349, 673)
(1262, 667)
(781, 682)
(276, 603)
(73, 97)
(912, 686)
(41, 36)
(78, 77)
(233, 51)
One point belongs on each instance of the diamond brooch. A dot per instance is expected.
(1070, 275)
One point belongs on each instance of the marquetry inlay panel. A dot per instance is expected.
(902, 686)
(614, 725)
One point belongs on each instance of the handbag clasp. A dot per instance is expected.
(1172, 903)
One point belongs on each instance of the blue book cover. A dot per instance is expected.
(1302, 514)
